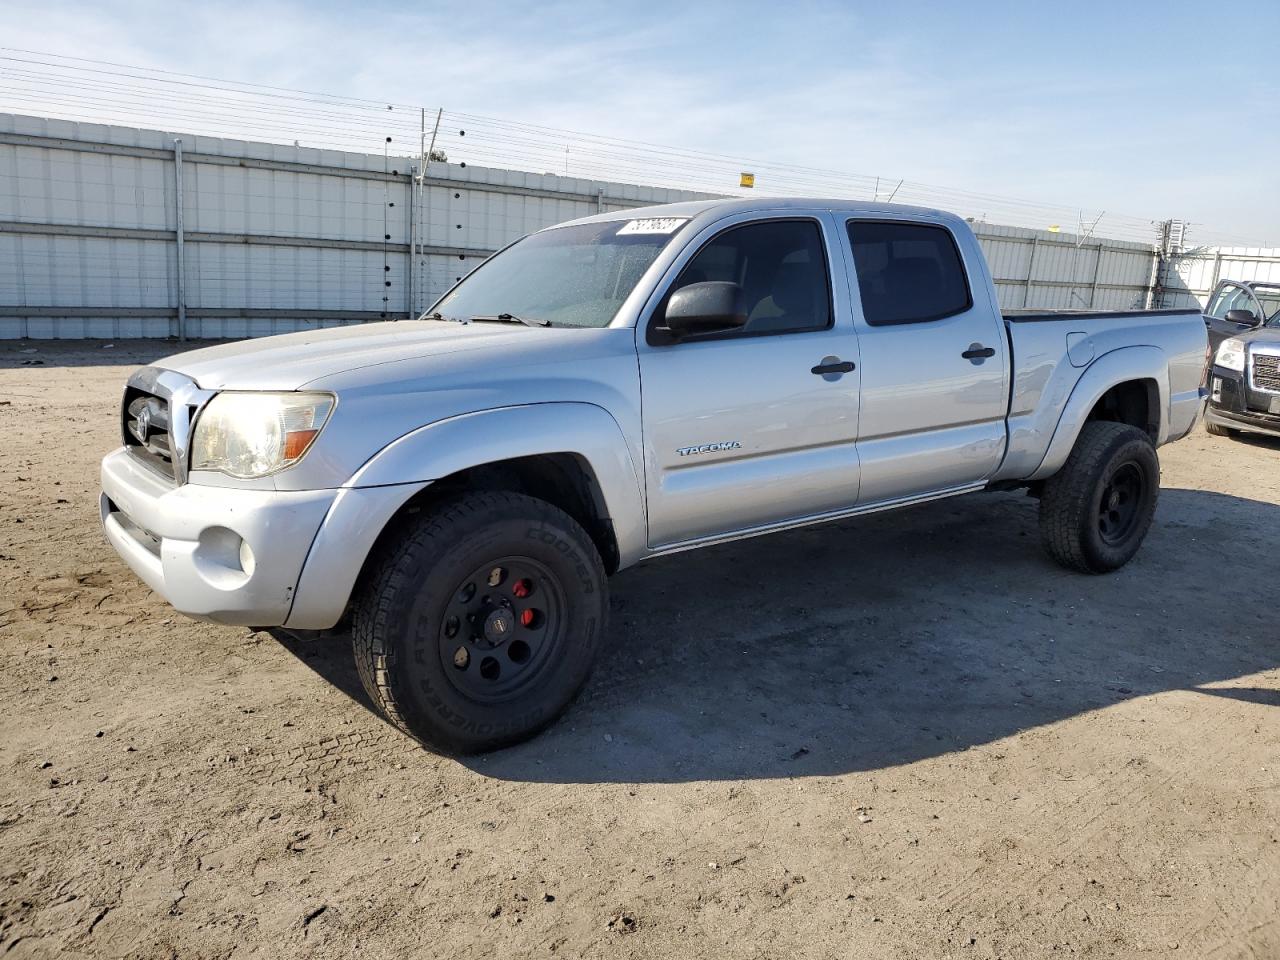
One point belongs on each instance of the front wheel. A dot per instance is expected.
(1096, 510)
(479, 626)
(1214, 430)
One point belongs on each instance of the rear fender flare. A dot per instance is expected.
(1110, 369)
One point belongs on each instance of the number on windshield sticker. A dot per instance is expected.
(653, 225)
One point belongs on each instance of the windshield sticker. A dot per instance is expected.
(653, 225)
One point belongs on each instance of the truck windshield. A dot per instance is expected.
(565, 277)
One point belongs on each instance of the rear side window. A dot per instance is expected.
(907, 272)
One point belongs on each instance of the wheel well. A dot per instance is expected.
(1135, 402)
(564, 480)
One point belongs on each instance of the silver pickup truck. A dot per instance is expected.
(458, 488)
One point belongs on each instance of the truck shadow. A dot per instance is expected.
(895, 638)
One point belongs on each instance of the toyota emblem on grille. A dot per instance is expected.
(142, 425)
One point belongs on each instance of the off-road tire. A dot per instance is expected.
(1072, 500)
(1215, 430)
(400, 613)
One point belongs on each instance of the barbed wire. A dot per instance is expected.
(88, 90)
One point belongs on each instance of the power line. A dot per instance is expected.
(68, 87)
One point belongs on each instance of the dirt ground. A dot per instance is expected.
(906, 736)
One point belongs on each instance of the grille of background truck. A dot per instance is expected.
(1266, 372)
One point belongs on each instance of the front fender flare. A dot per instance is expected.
(409, 464)
(1110, 369)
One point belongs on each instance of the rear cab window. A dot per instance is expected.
(907, 272)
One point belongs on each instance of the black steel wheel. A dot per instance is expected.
(1096, 510)
(504, 622)
(479, 625)
(1120, 502)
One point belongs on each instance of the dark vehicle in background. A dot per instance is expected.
(1243, 321)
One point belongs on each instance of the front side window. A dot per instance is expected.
(1217, 302)
(1230, 298)
(907, 272)
(566, 277)
(1269, 299)
(781, 267)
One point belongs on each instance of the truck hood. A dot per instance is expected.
(1267, 335)
(293, 360)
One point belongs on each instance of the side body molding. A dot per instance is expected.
(392, 476)
(1118, 366)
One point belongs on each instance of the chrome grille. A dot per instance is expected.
(156, 416)
(146, 429)
(1266, 372)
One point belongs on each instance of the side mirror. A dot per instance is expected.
(709, 307)
(1245, 317)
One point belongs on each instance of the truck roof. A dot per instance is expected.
(726, 206)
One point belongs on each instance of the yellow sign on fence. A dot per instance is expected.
(747, 180)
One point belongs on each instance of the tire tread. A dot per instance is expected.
(1067, 493)
(388, 579)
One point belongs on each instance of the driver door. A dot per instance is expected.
(740, 430)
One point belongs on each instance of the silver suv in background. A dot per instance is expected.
(458, 488)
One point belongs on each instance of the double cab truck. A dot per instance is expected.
(457, 489)
(1243, 320)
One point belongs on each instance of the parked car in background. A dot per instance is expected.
(1243, 321)
(615, 389)
(1240, 306)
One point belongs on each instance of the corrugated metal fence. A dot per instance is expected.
(1055, 271)
(1190, 277)
(278, 238)
(275, 238)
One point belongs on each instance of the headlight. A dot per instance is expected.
(255, 434)
(1231, 354)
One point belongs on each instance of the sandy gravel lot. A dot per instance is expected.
(903, 737)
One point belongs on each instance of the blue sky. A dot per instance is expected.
(1146, 109)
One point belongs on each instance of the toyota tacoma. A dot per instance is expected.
(458, 488)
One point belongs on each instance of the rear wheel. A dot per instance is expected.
(1096, 510)
(482, 623)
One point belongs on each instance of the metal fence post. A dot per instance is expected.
(411, 290)
(1097, 270)
(1031, 269)
(179, 202)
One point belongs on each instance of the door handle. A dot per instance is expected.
(977, 352)
(833, 365)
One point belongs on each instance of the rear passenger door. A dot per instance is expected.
(934, 359)
(754, 426)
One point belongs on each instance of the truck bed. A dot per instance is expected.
(1053, 349)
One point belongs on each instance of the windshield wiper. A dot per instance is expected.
(439, 316)
(509, 318)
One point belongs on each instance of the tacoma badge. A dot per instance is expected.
(709, 447)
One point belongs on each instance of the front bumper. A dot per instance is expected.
(215, 553)
(1236, 405)
(1251, 423)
